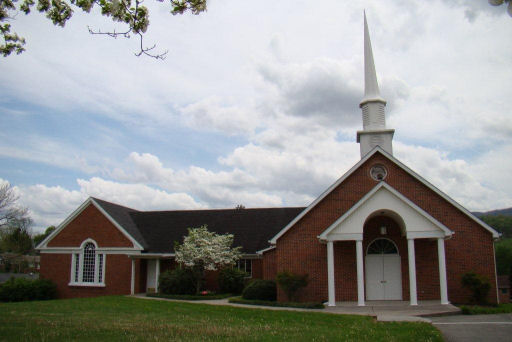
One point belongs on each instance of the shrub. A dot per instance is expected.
(178, 281)
(232, 280)
(291, 283)
(261, 289)
(479, 286)
(21, 289)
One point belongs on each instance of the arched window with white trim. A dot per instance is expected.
(88, 265)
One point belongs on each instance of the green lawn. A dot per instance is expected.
(133, 319)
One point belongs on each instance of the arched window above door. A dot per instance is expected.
(382, 246)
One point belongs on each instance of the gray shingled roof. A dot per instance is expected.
(156, 231)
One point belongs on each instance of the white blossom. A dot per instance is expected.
(206, 250)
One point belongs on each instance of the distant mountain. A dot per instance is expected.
(498, 212)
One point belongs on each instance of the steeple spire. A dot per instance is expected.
(371, 87)
(374, 131)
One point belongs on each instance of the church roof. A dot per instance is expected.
(156, 231)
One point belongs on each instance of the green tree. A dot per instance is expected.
(503, 250)
(478, 285)
(132, 13)
(16, 239)
(203, 250)
(40, 237)
(291, 283)
(501, 2)
(502, 223)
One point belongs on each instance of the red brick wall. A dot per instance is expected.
(504, 297)
(269, 265)
(257, 268)
(118, 270)
(90, 223)
(471, 247)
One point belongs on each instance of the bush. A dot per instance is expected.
(479, 286)
(178, 281)
(232, 280)
(291, 283)
(261, 289)
(21, 289)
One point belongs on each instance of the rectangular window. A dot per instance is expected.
(88, 267)
(245, 265)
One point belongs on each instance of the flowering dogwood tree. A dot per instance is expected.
(203, 250)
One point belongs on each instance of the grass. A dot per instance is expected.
(481, 310)
(311, 305)
(133, 319)
(190, 297)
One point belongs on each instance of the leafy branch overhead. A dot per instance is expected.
(129, 12)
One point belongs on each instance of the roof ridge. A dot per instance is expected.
(217, 209)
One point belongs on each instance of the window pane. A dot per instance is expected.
(89, 263)
(77, 266)
(248, 266)
(100, 268)
(382, 246)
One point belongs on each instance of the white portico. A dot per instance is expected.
(414, 224)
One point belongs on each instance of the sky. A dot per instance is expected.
(257, 103)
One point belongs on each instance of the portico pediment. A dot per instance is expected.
(414, 221)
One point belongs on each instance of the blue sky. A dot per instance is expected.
(256, 104)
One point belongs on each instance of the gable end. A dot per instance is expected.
(69, 220)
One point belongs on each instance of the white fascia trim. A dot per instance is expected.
(425, 235)
(343, 237)
(152, 255)
(44, 244)
(260, 252)
(250, 256)
(323, 195)
(376, 149)
(117, 225)
(107, 250)
(382, 184)
(494, 233)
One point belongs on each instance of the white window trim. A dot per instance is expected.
(80, 253)
(245, 266)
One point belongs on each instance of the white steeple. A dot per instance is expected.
(374, 118)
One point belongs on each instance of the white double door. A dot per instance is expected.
(383, 277)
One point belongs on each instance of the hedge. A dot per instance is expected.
(21, 289)
(260, 289)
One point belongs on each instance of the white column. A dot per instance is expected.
(442, 271)
(360, 273)
(157, 274)
(132, 285)
(412, 272)
(330, 273)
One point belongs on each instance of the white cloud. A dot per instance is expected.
(280, 80)
(456, 177)
(211, 114)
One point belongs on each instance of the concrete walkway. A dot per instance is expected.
(385, 311)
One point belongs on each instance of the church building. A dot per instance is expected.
(380, 232)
